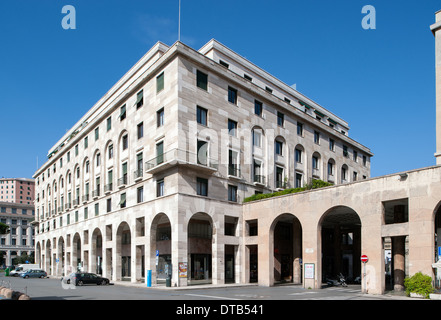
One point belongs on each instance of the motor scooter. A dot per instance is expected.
(342, 280)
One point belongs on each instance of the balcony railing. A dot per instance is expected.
(181, 157)
(85, 198)
(122, 181)
(108, 187)
(234, 170)
(96, 193)
(259, 179)
(137, 174)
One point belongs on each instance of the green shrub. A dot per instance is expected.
(419, 283)
(315, 184)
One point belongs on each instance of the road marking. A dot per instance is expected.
(214, 297)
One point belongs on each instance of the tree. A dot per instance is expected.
(4, 229)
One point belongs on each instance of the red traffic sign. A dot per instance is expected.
(364, 258)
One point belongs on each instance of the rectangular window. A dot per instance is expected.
(110, 151)
(160, 118)
(298, 180)
(280, 119)
(125, 142)
(86, 142)
(314, 163)
(97, 133)
(345, 151)
(122, 114)
(202, 80)
(331, 144)
(224, 64)
(202, 187)
(330, 169)
(160, 83)
(232, 127)
(109, 123)
(76, 150)
(140, 130)
(202, 115)
(232, 193)
(298, 155)
(109, 204)
(160, 153)
(202, 155)
(232, 95)
(160, 188)
(233, 167)
(300, 129)
(279, 177)
(97, 209)
(257, 138)
(258, 108)
(316, 137)
(355, 156)
(122, 202)
(140, 99)
(279, 147)
(140, 195)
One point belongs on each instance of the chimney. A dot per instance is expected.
(436, 30)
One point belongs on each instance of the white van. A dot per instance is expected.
(22, 268)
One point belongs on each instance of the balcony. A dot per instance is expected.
(108, 188)
(179, 157)
(259, 179)
(96, 193)
(122, 182)
(85, 198)
(137, 175)
(234, 171)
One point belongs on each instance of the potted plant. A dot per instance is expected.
(419, 285)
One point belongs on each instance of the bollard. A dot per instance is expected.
(149, 278)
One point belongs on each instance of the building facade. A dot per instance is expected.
(18, 190)
(21, 238)
(154, 175)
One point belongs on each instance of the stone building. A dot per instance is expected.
(20, 239)
(153, 176)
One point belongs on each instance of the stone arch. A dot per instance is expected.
(76, 252)
(61, 249)
(339, 232)
(286, 246)
(123, 251)
(200, 231)
(97, 251)
(161, 243)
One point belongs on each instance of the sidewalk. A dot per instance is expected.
(190, 287)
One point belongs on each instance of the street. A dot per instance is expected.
(54, 289)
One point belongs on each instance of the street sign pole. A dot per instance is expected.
(364, 259)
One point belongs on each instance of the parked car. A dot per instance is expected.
(82, 278)
(34, 273)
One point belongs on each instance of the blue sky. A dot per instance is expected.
(381, 81)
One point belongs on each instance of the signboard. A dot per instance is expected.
(182, 269)
(364, 258)
(309, 270)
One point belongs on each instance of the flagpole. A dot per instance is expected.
(179, 22)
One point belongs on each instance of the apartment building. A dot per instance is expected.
(18, 190)
(153, 176)
(20, 239)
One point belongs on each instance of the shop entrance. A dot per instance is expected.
(200, 232)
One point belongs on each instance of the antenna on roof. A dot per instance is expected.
(179, 22)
